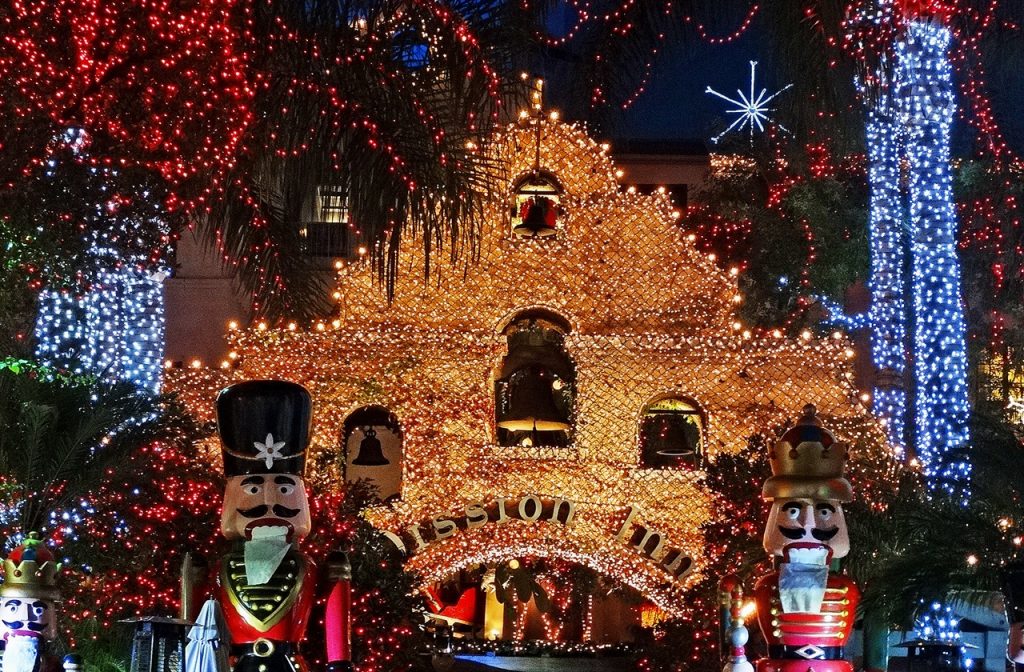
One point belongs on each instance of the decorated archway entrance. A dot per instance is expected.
(530, 567)
(615, 541)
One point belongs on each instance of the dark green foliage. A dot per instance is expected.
(391, 129)
(795, 220)
(61, 435)
(931, 547)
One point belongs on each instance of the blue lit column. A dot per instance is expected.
(925, 99)
(888, 313)
(114, 330)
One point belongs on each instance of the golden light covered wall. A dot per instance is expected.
(650, 317)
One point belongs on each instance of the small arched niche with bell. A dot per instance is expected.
(372, 449)
(536, 206)
(672, 434)
(535, 387)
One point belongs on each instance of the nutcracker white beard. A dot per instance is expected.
(264, 552)
(803, 580)
(21, 653)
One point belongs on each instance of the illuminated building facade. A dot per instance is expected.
(560, 396)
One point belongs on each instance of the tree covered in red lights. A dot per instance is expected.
(226, 115)
(126, 544)
(118, 483)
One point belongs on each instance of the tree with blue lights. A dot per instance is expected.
(914, 230)
(926, 105)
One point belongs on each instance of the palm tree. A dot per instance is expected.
(940, 545)
(387, 100)
(61, 435)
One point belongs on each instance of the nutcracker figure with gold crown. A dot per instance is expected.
(266, 586)
(27, 600)
(805, 610)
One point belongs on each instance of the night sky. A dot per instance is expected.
(676, 106)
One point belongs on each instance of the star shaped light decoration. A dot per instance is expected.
(269, 450)
(752, 109)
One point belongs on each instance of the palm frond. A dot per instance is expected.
(62, 435)
(386, 97)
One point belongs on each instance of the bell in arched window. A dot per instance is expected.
(538, 217)
(671, 435)
(536, 207)
(531, 405)
(370, 451)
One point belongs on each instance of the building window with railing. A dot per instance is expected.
(329, 234)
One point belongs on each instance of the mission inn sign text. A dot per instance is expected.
(650, 543)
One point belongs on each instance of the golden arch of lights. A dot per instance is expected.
(650, 317)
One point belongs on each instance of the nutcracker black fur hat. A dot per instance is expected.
(264, 427)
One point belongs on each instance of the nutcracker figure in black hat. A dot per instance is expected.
(805, 610)
(266, 586)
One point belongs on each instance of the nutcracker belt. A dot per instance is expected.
(265, 655)
(805, 652)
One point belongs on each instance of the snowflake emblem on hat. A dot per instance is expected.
(269, 450)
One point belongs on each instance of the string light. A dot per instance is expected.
(926, 105)
(887, 315)
(650, 316)
(113, 326)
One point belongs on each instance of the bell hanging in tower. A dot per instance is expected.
(531, 404)
(371, 453)
(539, 219)
(667, 436)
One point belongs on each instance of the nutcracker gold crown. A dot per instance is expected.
(808, 462)
(30, 571)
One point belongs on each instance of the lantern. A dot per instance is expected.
(159, 644)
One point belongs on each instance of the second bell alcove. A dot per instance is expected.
(536, 384)
(372, 449)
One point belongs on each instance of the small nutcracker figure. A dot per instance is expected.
(805, 610)
(266, 586)
(27, 601)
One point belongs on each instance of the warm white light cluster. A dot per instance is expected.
(649, 317)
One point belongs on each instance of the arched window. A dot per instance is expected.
(536, 208)
(536, 385)
(672, 435)
(372, 449)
